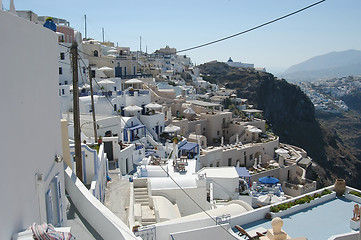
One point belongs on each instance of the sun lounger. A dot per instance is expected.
(258, 232)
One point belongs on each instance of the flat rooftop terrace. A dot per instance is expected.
(316, 223)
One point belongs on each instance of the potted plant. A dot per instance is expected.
(135, 228)
(340, 187)
(100, 140)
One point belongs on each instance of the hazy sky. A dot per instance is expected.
(333, 25)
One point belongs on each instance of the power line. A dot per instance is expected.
(196, 201)
(251, 29)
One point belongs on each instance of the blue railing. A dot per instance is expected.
(118, 93)
(84, 94)
(138, 146)
(143, 92)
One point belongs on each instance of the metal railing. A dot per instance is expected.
(223, 219)
(146, 232)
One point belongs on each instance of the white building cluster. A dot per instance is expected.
(184, 159)
(326, 94)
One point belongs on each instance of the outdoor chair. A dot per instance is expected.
(254, 234)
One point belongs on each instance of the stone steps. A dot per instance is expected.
(141, 196)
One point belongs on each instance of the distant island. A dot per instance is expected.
(334, 64)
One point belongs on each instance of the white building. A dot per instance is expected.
(33, 179)
(239, 64)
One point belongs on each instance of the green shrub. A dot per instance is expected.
(325, 192)
(317, 195)
(355, 193)
(275, 209)
(303, 200)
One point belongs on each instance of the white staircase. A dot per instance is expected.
(142, 202)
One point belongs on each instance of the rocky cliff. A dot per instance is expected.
(292, 117)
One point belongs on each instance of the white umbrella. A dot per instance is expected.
(132, 81)
(153, 105)
(105, 69)
(281, 151)
(132, 108)
(255, 130)
(268, 199)
(106, 81)
(171, 128)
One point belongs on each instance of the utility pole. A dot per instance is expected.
(93, 109)
(76, 116)
(85, 26)
(140, 44)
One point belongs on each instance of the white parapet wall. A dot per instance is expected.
(106, 223)
(211, 232)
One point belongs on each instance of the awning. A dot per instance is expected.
(188, 146)
(242, 172)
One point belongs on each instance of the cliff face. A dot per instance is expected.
(291, 115)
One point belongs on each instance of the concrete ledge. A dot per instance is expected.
(106, 223)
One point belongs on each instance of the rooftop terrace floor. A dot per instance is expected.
(316, 223)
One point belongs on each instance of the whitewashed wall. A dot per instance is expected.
(99, 182)
(29, 110)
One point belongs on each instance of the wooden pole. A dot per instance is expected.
(76, 115)
(93, 108)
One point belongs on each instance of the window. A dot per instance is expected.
(229, 161)
(96, 54)
(211, 165)
(60, 71)
(217, 164)
(251, 157)
(65, 82)
(62, 56)
(115, 107)
(217, 133)
(62, 91)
